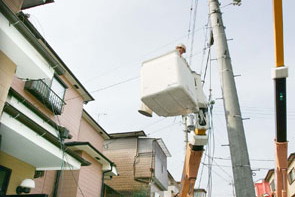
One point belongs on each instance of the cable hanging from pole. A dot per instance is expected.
(193, 31)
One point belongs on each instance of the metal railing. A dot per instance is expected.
(46, 95)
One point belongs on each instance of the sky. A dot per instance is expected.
(104, 43)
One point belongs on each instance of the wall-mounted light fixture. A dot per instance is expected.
(25, 186)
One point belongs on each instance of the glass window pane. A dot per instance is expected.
(4, 179)
(58, 88)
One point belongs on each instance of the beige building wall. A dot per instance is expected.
(291, 188)
(19, 171)
(68, 183)
(88, 134)
(14, 5)
(143, 166)
(7, 71)
(123, 152)
(72, 111)
(84, 182)
(45, 184)
(90, 179)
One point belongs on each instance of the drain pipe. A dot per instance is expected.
(102, 180)
(56, 183)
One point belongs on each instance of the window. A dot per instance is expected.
(4, 179)
(291, 176)
(56, 96)
(58, 87)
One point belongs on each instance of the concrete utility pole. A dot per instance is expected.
(238, 148)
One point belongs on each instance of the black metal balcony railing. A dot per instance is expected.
(44, 93)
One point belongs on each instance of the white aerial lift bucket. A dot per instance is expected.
(168, 85)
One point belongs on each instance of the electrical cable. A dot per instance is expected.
(130, 79)
(229, 166)
(226, 180)
(62, 148)
(193, 33)
(211, 139)
(76, 182)
(262, 160)
(220, 167)
(202, 170)
(146, 54)
(211, 148)
(107, 87)
(206, 45)
(153, 123)
(207, 63)
(190, 20)
(161, 129)
(226, 5)
(211, 136)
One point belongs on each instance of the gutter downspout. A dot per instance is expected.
(102, 180)
(56, 183)
(58, 172)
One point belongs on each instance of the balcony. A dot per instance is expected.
(46, 95)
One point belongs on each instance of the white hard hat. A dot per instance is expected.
(181, 46)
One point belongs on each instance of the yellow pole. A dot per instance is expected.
(278, 32)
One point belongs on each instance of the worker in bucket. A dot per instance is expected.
(181, 49)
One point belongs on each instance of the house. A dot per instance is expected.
(141, 162)
(270, 177)
(262, 188)
(49, 144)
(200, 192)
(173, 187)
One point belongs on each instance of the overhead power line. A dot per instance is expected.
(107, 87)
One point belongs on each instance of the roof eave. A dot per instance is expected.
(32, 35)
(101, 131)
(127, 134)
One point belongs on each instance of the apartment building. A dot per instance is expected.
(141, 162)
(49, 145)
(270, 177)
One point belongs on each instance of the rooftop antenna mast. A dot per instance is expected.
(242, 173)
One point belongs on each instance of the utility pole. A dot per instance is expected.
(280, 73)
(238, 147)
